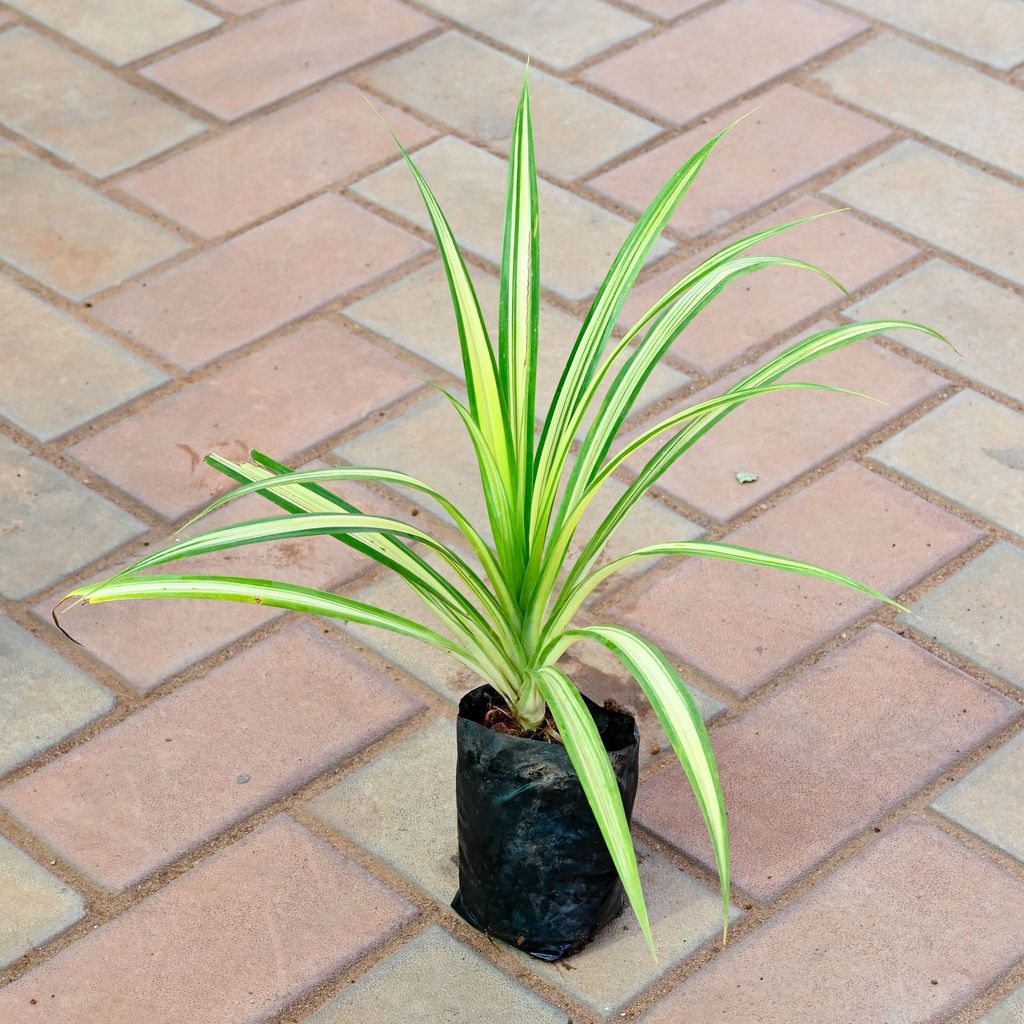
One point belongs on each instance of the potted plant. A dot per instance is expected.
(546, 779)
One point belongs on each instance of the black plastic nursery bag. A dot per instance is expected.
(533, 866)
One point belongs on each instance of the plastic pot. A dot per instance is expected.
(533, 867)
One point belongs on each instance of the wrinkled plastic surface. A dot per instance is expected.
(533, 867)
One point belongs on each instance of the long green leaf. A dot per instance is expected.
(570, 600)
(680, 717)
(557, 433)
(519, 301)
(587, 752)
(802, 352)
(385, 476)
(274, 594)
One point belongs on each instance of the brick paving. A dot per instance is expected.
(220, 814)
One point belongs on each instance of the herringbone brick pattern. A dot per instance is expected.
(218, 815)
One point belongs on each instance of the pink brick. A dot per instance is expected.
(297, 44)
(708, 60)
(910, 930)
(791, 138)
(798, 782)
(283, 399)
(771, 302)
(147, 641)
(741, 624)
(258, 281)
(783, 436)
(669, 8)
(235, 940)
(270, 162)
(152, 788)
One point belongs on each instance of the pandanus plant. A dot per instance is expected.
(509, 616)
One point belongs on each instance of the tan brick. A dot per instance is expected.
(121, 30)
(154, 787)
(559, 34)
(35, 905)
(780, 437)
(723, 52)
(669, 8)
(235, 940)
(83, 114)
(979, 318)
(987, 30)
(283, 399)
(580, 238)
(970, 449)
(267, 163)
(872, 943)
(944, 201)
(935, 96)
(771, 302)
(915, 713)
(62, 233)
(145, 642)
(791, 138)
(748, 623)
(58, 373)
(474, 88)
(258, 281)
(299, 44)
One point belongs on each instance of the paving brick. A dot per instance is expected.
(1007, 1011)
(66, 235)
(401, 807)
(989, 801)
(474, 88)
(616, 967)
(83, 114)
(987, 30)
(44, 698)
(267, 163)
(559, 34)
(121, 31)
(242, 6)
(787, 811)
(152, 788)
(430, 442)
(977, 614)
(721, 53)
(756, 308)
(935, 96)
(234, 940)
(157, 453)
(970, 449)
(299, 44)
(258, 281)
(915, 188)
(436, 978)
(580, 239)
(791, 138)
(751, 622)
(57, 372)
(52, 524)
(416, 313)
(978, 317)
(830, 955)
(179, 633)
(34, 905)
(780, 437)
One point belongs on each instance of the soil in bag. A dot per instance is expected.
(533, 866)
